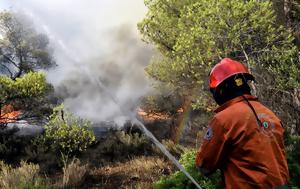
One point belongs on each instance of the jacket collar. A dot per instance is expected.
(233, 101)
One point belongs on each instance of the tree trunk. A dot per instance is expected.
(180, 123)
(279, 8)
(287, 9)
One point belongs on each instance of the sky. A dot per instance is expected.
(4, 4)
(95, 43)
(75, 20)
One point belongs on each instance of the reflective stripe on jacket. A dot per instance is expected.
(249, 154)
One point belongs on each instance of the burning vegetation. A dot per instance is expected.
(148, 115)
(125, 158)
(9, 115)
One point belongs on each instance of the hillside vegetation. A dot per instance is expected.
(190, 37)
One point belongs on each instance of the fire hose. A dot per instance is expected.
(133, 117)
(145, 130)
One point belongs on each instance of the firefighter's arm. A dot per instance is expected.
(212, 149)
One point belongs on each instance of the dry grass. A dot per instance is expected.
(10, 178)
(137, 173)
(74, 174)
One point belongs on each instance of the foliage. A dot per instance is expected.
(293, 16)
(121, 144)
(22, 49)
(28, 93)
(15, 148)
(179, 181)
(12, 146)
(66, 133)
(32, 84)
(193, 35)
(293, 156)
(294, 12)
(164, 100)
(23, 177)
(118, 146)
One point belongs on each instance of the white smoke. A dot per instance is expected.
(103, 88)
(98, 50)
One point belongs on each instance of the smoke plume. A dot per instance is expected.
(100, 73)
(108, 87)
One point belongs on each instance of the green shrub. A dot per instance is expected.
(67, 134)
(163, 101)
(293, 157)
(120, 145)
(179, 181)
(117, 146)
(32, 84)
(12, 146)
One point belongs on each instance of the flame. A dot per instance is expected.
(8, 115)
(151, 116)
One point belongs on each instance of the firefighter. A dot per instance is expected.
(244, 139)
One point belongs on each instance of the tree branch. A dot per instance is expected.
(10, 73)
(11, 61)
(250, 71)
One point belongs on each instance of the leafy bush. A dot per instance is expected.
(164, 100)
(29, 93)
(121, 144)
(64, 135)
(32, 84)
(179, 181)
(131, 140)
(12, 146)
(67, 134)
(117, 146)
(23, 177)
(293, 157)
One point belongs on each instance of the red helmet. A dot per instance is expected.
(226, 68)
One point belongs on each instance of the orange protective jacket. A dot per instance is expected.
(249, 154)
